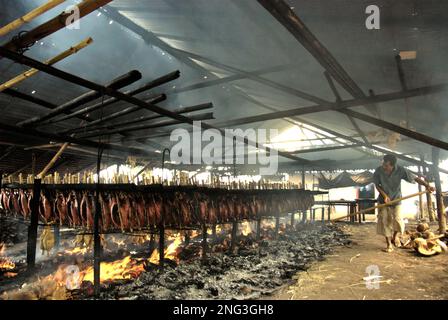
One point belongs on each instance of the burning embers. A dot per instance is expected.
(127, 268)
(75, 275)
(6, 264)
(126, 256)
(170, 253)
(253, 270)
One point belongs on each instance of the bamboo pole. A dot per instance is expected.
(57, 23)
(379, 206)
(53, 160)
(29, 16)
(31, 72)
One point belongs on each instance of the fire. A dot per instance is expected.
(268, 224)
(5, 262)
(126, 268)
(195, 234)
(137, 239)
(170, 252)
(10, 274)
(51, 287)
(246, 229)
(77, 250)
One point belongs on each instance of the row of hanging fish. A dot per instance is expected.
(136, 210)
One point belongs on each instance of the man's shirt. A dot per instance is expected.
(392, 184)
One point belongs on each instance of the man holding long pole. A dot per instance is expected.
(387, 179)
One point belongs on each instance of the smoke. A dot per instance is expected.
(244, 36)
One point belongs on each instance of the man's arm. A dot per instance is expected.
(424, 183)
(383, 194)
(410, 177)
(377, 182)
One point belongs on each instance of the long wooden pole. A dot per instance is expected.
(379, 206)
(42, 174)
(57, 23)
(29, 16)
(31, 72)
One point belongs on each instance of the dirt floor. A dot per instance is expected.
(404, 274)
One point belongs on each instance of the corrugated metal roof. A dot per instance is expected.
(242, 35)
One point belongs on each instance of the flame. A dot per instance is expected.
(170, 252)
(5, 262)
(172, 236)
(246, 229)
(136, 239)
(10, 274)
(268, 224)
(119, 243)
(77, 250)
(218, 229)
(126, 268)
(51, 287)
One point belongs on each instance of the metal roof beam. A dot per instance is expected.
(121, 96)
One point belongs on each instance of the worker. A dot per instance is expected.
(387, 179)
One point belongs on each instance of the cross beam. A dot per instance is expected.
(124, 97)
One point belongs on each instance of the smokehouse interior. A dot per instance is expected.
(223, 150)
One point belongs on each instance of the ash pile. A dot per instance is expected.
(252, 271)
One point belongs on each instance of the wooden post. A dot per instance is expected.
(428, 195)
(323, 215)
(187, 237)
(439, 199)
(420, 197)
(151, 241)
(32, 229)
(355, 208)
(214, 236)
(161, 247)
(204, 242)
(292, 219)
(233, 236)
(96, 231)
(33, 164)
(57, 236)
(277, 226)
